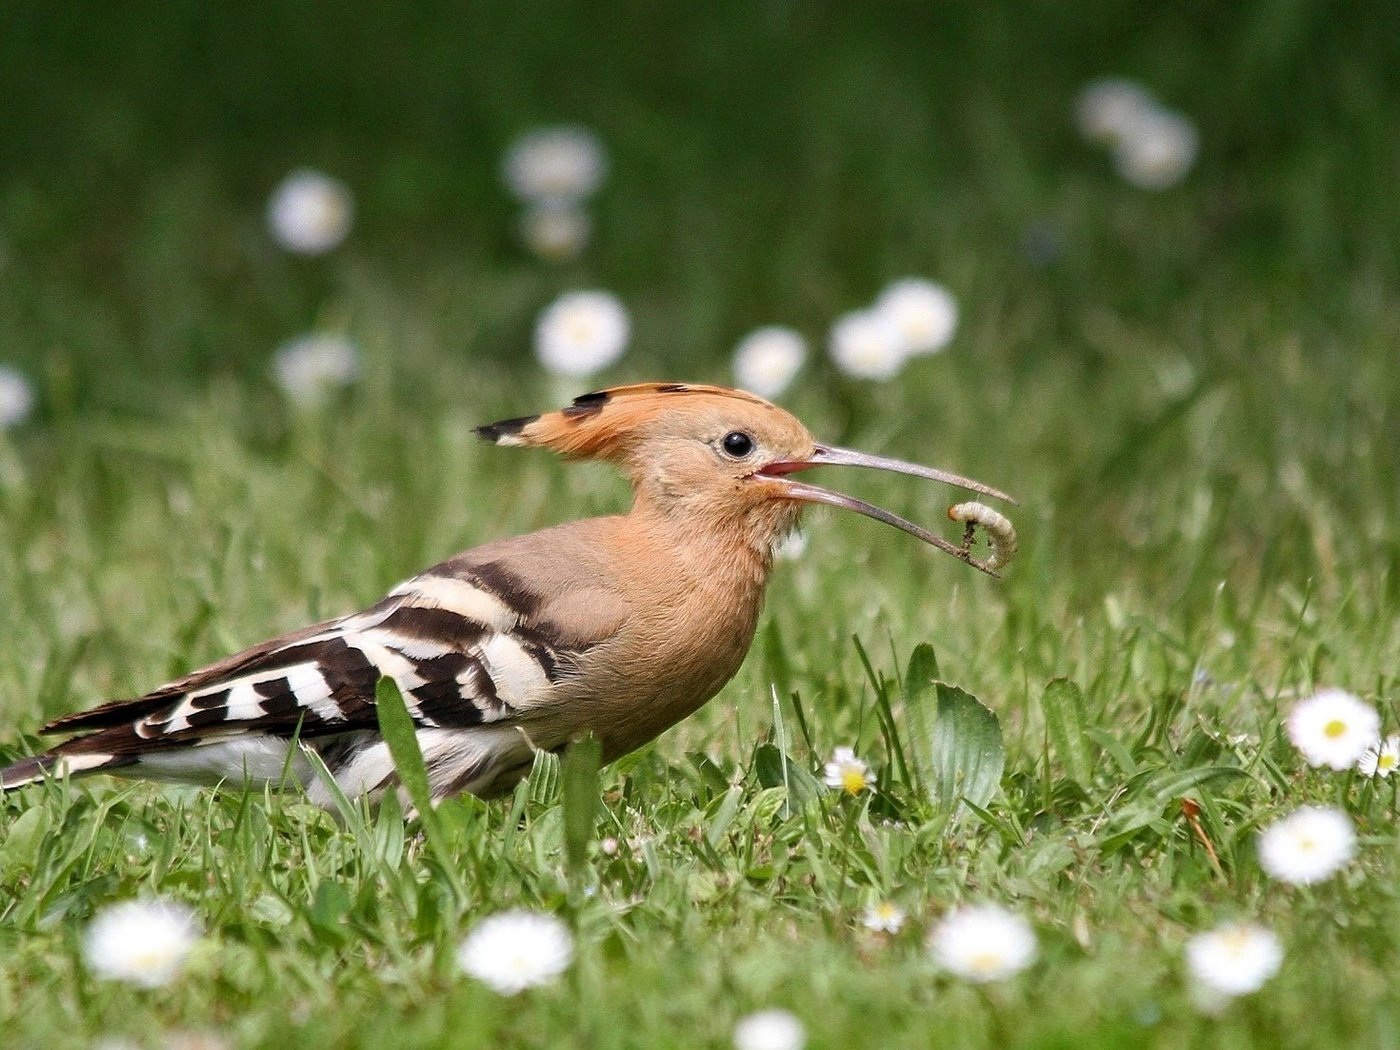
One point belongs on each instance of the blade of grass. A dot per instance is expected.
(400, 735)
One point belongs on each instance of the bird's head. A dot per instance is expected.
(714, 454)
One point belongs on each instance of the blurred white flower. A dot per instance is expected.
(515, 950)
(1333, 728)
(563, 163)
(194, 1040)
(925, 313)
(143, 942)
(846, 772)
(309, 212)
(790, 546)
(983, 942)
(16, 397)
(312, 367)
(769, 1030)
(768, 359)
(1159, 152)
(883, 916)
(1109, 109)
(581, 332)
(1234, 959)
(866, 344)
(1309, 845)
(1381, 758)
(556, 231)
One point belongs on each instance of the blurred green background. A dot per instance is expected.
(771, 160)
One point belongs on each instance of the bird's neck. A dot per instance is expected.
(712, 549)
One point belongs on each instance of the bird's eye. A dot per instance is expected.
(737, 444)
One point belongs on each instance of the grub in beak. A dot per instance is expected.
(776, 474)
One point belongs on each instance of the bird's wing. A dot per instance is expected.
(469, 644)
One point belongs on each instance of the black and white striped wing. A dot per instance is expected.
(467, 664)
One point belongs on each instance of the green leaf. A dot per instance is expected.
(958, 745)
(1067, 725)
(775, 769)
(725, 810)
(25, 836)
(923, 667)
(579, 773)
(921, 713)
(542, 785)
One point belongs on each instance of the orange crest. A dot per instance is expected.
(601, 425)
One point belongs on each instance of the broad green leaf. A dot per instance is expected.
(921, 713)
(579, 771)
(710, 773)
(1065, 721)
(25, 836)
(966, 755)
(923, 667)
(543, 783)
(774, 769)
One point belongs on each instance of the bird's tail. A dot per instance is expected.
(52, 764)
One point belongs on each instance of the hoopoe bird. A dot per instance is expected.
(618, 626)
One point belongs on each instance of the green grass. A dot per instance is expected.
(1195, 403)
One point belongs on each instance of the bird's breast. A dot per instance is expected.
(676, 652)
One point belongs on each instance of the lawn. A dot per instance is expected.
(1192, 392)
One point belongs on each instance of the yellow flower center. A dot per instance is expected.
(1386, 762)
(1334, 728)
(984, 962)
(853, 781)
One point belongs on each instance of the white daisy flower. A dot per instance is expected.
(196, 1040)
(564, 163)
(847, 773)
(142, 942)
(16, 397)
(925, 313)
(581, 333)
(1333, 728)
(1309, 845)
(312, 367)
(1381, 758)
(867, 344)
(769, 1030)
(982, 943)
(309, 212)
(1234, 959)
(883, 917)
(1159, 152)
(515, 950)
(556, 231)
(790, 546)
(768, 359)
(1109, 109)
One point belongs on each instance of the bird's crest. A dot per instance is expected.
(598, 425)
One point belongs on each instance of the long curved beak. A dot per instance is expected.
(828, 456)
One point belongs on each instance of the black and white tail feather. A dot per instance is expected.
(471, 667)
